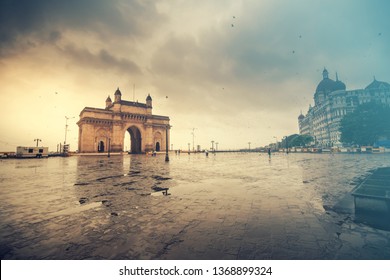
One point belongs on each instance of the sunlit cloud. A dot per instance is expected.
(237, 70)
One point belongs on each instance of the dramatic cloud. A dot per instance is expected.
(24, 21)
(102, 60)
(238, 71)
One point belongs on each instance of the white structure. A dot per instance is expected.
(32, 152)
(331, 102)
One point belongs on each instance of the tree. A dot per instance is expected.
(366, 124)
(296, 140)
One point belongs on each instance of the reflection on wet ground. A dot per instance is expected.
(224, 206)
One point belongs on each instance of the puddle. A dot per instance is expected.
(373, 219)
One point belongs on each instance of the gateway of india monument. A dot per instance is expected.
(103, 130)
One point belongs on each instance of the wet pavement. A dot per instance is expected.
(224, 206)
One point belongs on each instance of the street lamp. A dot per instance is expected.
(285, 144)
(277, 145)
(109, 147)
(166, 143)
(66, 126)
(38, 140)
(249, 143)
(212, 145)
(193, 139)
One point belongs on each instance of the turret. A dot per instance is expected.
(108, 102)
(301, 116)
(149, 104)
(118, 96)
(325, 74)
(149, 101)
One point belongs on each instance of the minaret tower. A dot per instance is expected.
(108, 102)
(118, 96)
(325, 74)
(149, 104)
(149, 101)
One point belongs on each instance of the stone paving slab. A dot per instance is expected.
(224, 207)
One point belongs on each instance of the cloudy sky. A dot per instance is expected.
(237, 71)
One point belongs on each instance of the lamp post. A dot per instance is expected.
(166, 143)
(249, 143)
(193, 139)
(37, 140)
(276, 145)
(212, 145)
(109, 147)
(66, 126)
(286, 144)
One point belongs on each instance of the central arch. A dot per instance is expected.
(158, 141)
(135, 140)
(101, 147)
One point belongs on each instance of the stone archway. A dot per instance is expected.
(135, 140)
(101, 147)
(158, 141)
(102, 136)
(158, 147)
(112, 123)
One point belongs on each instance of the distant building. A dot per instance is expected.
(103, 130)
(332, 102)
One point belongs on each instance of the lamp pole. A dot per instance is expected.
(286, 145)
(249, 143)
(193, 139)
(66, 126)
(109, 147)
(212, 145)
(37, 140)
(276, 145)
(166, 143)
